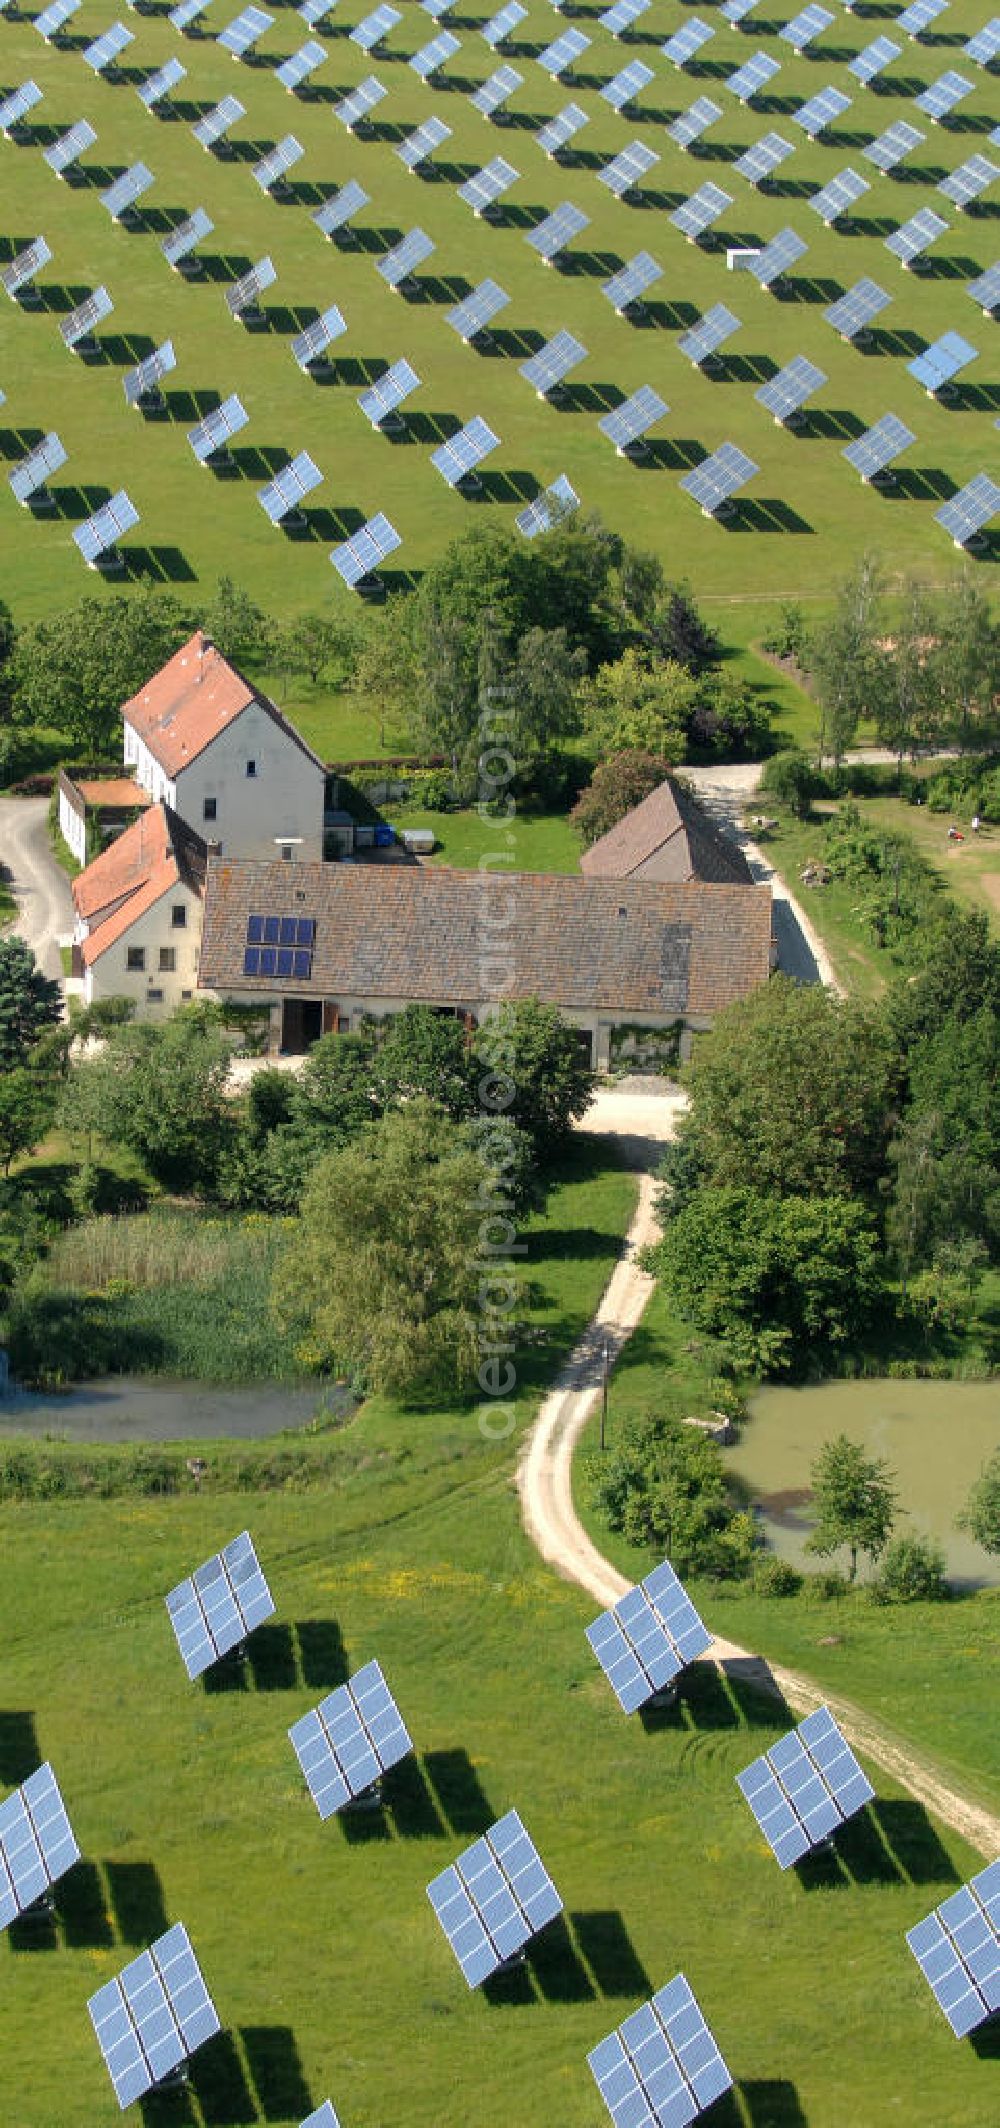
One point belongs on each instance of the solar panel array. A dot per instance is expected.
(821, 111)
(77, 328)
(121, 197)
(753, 76)
(244, 295)
(180, 243)
(915, 236)
(211, 436)
(400, 264)
(106, 51)
(692, 123)
(546, 370)
(324, 2117)
(622, 16)
(350, 1740)
(868, 65)
(98, 536)
(627, 287)
(245, 30)
(892, 146)
(627, 85)
(805, 1787)
(558, 229)
(853, 313)
(957, 1948)
(422, 142)
(546, 509)
(561, 55)
(375, 27)
(784, 395)
(561, 129)
(919, 16)
(941, 98)
(661, 2068)
(871, 453)
(501, 24)
(381, 402)
(984, 47)
(482, 190)
(157, 86)
(762, 159)
(358, 558)
(805, 27)
(839, 195)
(68, 149)
(300, 66)
(457, 459)
(53, 19)
(309, 347)
(19, 275)
(985, 289)
(213, 1611)
(942, 361)
(283, 496)
(970, 180)
(143, 382)
(356, 108)
(625, 172)
(714, 482)
(697, 214)
(473, 314)
(687, 42)
(627, 424)
(336, 212)
(15, 107)
(783, 251)
(272, 171)
(497, 90)
(494, 1899)
(216, 123)
(37, 1845)
(649, 1637)
(968, 513)
(711, 332)
(29, 477)
(153, 2016)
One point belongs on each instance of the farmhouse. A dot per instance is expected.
(668, 836)
(138, 914)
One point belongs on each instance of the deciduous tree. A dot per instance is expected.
(854, 1498)
(981, 1513)
(617, 785)
(29, 1002)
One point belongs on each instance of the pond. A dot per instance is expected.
(127, 1408)
(935, 1436)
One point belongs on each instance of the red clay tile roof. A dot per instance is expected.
(153, 855)
(443, 936)
(671, 824)
(191, 700)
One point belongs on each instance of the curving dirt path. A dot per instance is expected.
(544, 1480)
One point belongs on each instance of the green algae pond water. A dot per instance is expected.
(935, 1436)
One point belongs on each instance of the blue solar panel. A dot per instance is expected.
(697, 214)
(156, 2013)
(402, 261)
(216, 123)
(685, 42)
(15, 107)
(356, 107)
(631, 282)
(752, 76)
(648, 1638)
(473, 314)
(984, 47)
(215, 1609)
(714, 482)
(98, 536)
(839, 195)
(494, 1899)
(169, 76)
(821, 110)
(433, 55)
(121, 197)
(783, 251)
(783, 395)
(891, 146)
(211, 435)
(70, 146)
(335, 213)
(180, 242)
(627, 424)
(485, 187)
(853, 312)
(557, 230)
(381, 401)
(53, 19)
(808, 24)
(762, 159)
(324, 2117)
(375, 27)
(627, 85)
(985, 289)
(941, 362)
(970, 180)
(358, 558)
(309, 347)
(553, 362)
(693, 123)
(418, 145)
(274, 168)
(143, 382)
(736, 11)
(871, 453)
(301, 65)
(562, 54)
(501, 24)
(30, 476)
(661, 2068)
(943, 95)
(561, 128)
(917, 18)
(19, 275)
(496, 91)
(622, 16)
(625, 172)
(243, 32)
(711, 331)
(867, 65)
(78, 326)
(284, 495)
(957, 1949)
(186, 12)
(244, 294)
(346, 1743)
(457, 459)
(914, 237)
(37, 1846)
(106, 51)
(968, 513)
(559, 498)
(807, 1785)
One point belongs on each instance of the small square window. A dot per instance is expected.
(286, 851)
(135, 959)
(209, 810)
(186, 993)
(178, 916)
(167, 960)
(251, 768)
(154, 997)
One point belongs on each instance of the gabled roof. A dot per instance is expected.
(431, 934)
(670, 825)
(193, 698)
(157, 853)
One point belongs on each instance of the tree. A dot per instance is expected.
(530, 1068)
(664, 1484)
(845, 660)
(637, 704)
(30, 1002)
(238, 627)
(161, 1092)
(854, 1499)
(729, 721)
(317, 644)
(912, 1571)
(26, 1106)
(75, 669)
(678, 634)
(385, 674)
(981, 1513)
(790, 778)
(907, 708)
(382, 1276)
(428, 1053)
(967, 657)
(544, 676)
(615, 787)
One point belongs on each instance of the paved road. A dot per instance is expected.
(45, 906)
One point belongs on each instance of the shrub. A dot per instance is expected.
(793, 780)
(912, 1571)
(775, 1577)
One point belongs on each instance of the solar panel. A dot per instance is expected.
(559, 56)
(375, 27)
(986, 289)
(37, 1846)
(942, 95)
(143, 382)
(627, 424)
(213, 1611)
(754, 75)
(821, 110)
(216, 123)
(473, 314)
(714, 482)
(697, 214)
(399, 264)
(693, 123)
(661, 2068)
(805, 1787)
(627, 84)
(649, 1637)
(482, 190)
(969, 180)
(436, 8)
(547, 509)
(358, 558)
(169, 76)
(897, 141)
(869, 64)
(776, 257)
(839, 196)
(107, 50)
(685, 42)
(19, 275)
(244, 295)
(180, 243)
(309, 347)
(546, 370)
(915, 236)
(871, 453)
(494, 1899)
(852, 313)
(68, 149)
(78, 325)
(280, 945)
(324, 2117)
(313, 12)
(496, 90)
(622, 16)
(919, 17)
(941, 362)
(211, 436)
(355, 108)
(630, 283)
(27, 480)
(15, 107)
(710, 333)
(970, 511)
(283, 496)
(335, 213)
(156, 2013)
(99, 535)
(457, 459)
(186, 12)
(783, 396)
(501, 24)
(350, 1740)
(805, 27)
(735, 11)
(421, 143)
(244, 31)
(53, 19)
(984, 47)
(957, 1948)
(382, 400)
(627, 169)
(561, 129)
(271, 172)
(121, 197)
(300, 65)
(557, 230)
(763, 158)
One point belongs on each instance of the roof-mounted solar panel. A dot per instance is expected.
(868, 65)
(561, 55)
(282, 498)
(805, 1787)
(627, 287)
(15, 108)
(77, 328)
(28, 485)
(185, 13)
(854, 312)
(356, 108)
(123, 196)
(473, 315)
(457, 459)
(178, 246)
(494, 1899)
(941, 98)
(873, 452)
(957, 1948)
(916, 19)
(698, 213)
(838, 196)
(243, 296)
(661, 2068)
(692, 123)
(648, 1638)
(984, 47)
(68, 149)
(37, 1845)
(332, 218)
(18, 276)
(969, 181)
(503, 23)
(157, 87)
(889, 149)
(270, 174)
(53, 19)
(985, 289)
(627, 425)
(760, 161)
(280, 945)
(421, 143)
(141, 385)
(624, 174)
(300, 66)
(914, 237)
(355, 1735)
(358, 559)
(246, 29)
(97, 539)
(968, 513)
(496, 91)
(558, 501)
(375, 27)
(771, 264)
(558, 229)
(704, 340)
(714, 483)
(686, 42)
(485, 187)
(784, 396)
(153, 2016)
(805, 27)
(627, 85)
(216, 1608)
(106, 50)
(753, 76)
(820, 111)
(399, 265)
(381, 402)
(549, 368)
(309, 347)
(211, 130)
(561, 129)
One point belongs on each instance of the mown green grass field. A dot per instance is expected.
(806, 514)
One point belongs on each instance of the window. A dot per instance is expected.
(286, 851)
(135, 959)
(178, 916)
(251, 768)
(209, 810)
(167, 960)
(154, 997)
(185, 993)
(343, 1023)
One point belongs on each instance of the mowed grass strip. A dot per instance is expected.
(195, 524)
